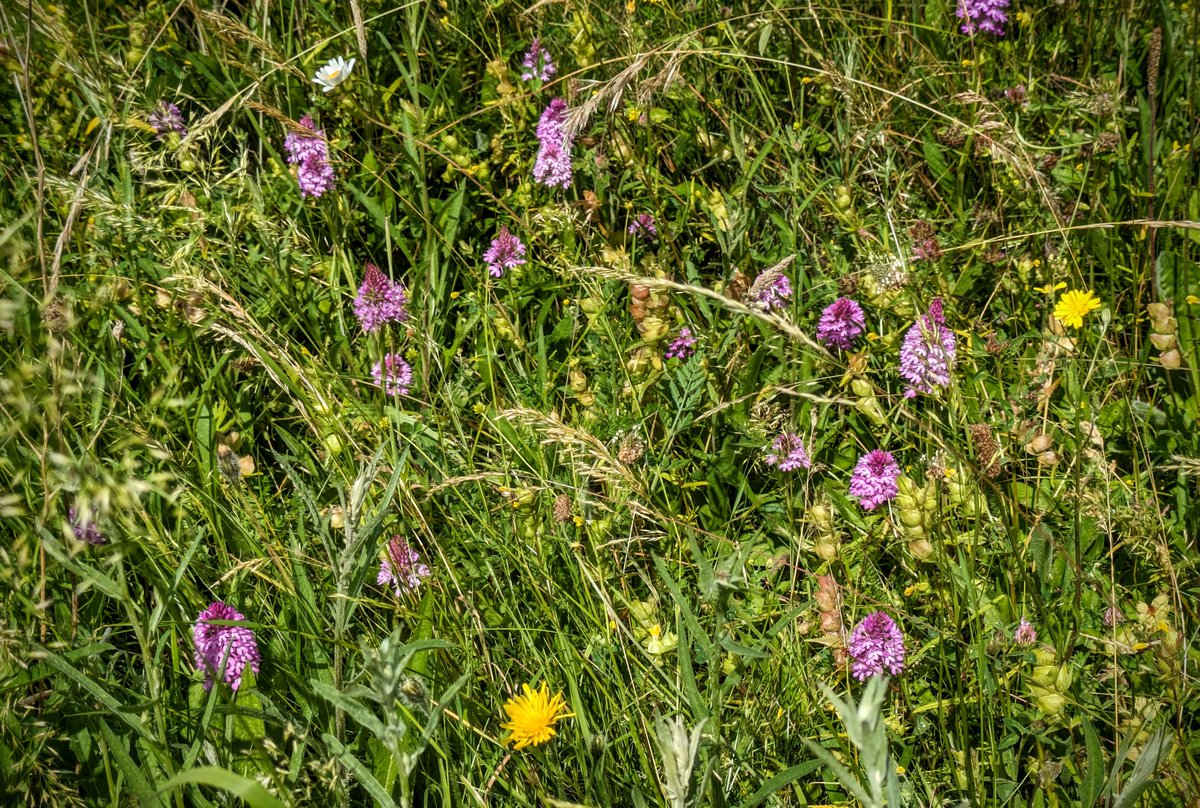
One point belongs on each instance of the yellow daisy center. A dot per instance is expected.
(532, 716)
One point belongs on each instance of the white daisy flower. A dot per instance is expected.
(334, 73)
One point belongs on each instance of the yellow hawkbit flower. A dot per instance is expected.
(532, 716)
(1074, 306)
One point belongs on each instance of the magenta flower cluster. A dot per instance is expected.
(505, 252)
(380, 300)
(841, 323)
(927, 355)
(983, 15)
(682, 346)
(553, 164)
(873, 481)
(167, 118)
(310, 154)
(224, 651)
(876, 646)
(643, 225)
(773, 293)
(393, 374)
(788, 453)
(537, 63)
(401, 567)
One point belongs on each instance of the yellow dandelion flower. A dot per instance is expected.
(532, 716)
(1074, 306)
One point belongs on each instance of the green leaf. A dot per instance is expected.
(251, 792)
(780, 780)
(1093, 777)
(360, 772)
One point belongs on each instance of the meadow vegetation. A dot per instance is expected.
(577, 403)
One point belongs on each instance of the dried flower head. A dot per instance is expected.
(876, 646)
(631, 450)
(222, 650)
(562, 508)
(987, 449)
(874, 480)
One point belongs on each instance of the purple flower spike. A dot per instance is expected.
(380, 300)
(874, 479)
(224, 650)
(167, 118)
(553, 164)
(505, 252)
(537, 63)
(682, 346)
(876, 646)
(401, 567)
(983, 15)
(841, 323)
(310, 155)
(927, 355)
(393, 374)
(643, 225)
(788, 453)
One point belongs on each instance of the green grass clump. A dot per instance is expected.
(181, 369)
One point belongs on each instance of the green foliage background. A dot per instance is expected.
(181, 361)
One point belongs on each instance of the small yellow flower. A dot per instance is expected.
(1074, 306)
(532, 716)
(1048, 288)
(1192, 300)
